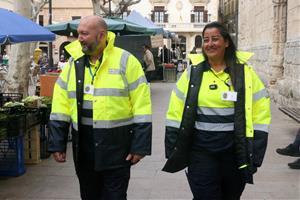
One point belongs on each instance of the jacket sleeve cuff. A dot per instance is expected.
(170, 140)
(142, 139)
(259, 147)
(58, 136)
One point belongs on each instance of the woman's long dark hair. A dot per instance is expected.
(230, 51)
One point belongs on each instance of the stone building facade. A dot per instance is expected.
(271, 29)
(185, 18)
(228, 15)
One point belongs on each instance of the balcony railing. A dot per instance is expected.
(182, 27)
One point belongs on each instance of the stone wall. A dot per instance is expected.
(271, 29)
(289, 86)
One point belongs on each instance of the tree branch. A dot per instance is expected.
(124, 4)
(119, 7)
(37, 6)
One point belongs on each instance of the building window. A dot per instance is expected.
(41, 20)
(199, 15)
(76, 17)
(159, 15)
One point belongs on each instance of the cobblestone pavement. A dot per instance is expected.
(49, 180)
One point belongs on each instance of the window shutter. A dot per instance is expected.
(166, 18)
(152, 16)
(205, 16)
(192, 18)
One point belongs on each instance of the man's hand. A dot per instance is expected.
(59, 156)
(134, 158)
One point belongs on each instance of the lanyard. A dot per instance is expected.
(225, 82)
(90, 70)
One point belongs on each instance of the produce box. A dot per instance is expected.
(32, 102)
(11, 124)
(44, 142)
(32, 153)
(6, 97)
(33, 117)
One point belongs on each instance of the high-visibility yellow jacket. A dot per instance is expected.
(120, 104)
(256, 108)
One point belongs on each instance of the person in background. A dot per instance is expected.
(165, 55)
(221, 135)
(43, 63)
(61, 63)
(292, 149)
(178, 52)
(103, 94)
(149, 62)
(179, 69)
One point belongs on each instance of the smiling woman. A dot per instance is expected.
(214, 47)
(208, 128)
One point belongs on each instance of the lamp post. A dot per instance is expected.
(50, 52)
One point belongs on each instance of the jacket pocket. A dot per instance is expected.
(112, 147)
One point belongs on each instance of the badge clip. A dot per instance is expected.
(213, 86)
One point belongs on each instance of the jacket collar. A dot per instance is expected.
(74, 48)
(242, 56)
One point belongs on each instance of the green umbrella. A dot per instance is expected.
(116, 25)
(62, 28)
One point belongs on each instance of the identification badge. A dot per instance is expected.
(229, 96)
(89, 89)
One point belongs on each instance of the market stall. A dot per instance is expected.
(20, 119)
(22, 140)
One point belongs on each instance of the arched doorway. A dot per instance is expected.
(198, 41)
(62, 50)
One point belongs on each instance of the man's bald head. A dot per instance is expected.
(92, 34)
(96, 21)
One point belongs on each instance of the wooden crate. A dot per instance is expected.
(32, 153)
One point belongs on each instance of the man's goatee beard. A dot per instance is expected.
(85, 50)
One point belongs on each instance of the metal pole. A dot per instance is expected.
(50, 51)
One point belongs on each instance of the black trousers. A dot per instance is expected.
(149, 75)
(214, 176)
(104, 185)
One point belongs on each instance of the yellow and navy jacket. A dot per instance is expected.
(248, 118)
(118, 110)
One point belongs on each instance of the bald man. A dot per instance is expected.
(102, 93)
